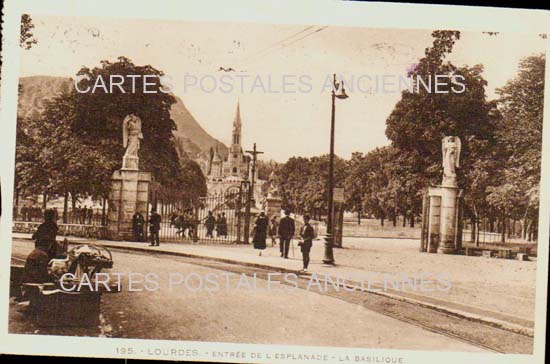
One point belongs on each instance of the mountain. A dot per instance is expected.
(190, 135)
(191, 138)
(35, 90)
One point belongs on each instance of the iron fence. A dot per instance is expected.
(490, 232)
(218, 217)
(77, 216)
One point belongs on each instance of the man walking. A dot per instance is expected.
(306, 234)
(154, 227)
(137, 226)
(210, 224)
(286, 232)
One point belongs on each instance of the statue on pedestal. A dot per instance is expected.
(450, 148)
(131, 137)
(129, 186)
(273, 191)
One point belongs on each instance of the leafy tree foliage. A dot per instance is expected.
(500, 157)
(74, 146)
(26, 38)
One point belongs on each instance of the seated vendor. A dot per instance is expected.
(46, 234)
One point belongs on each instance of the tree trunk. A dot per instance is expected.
(44, 200)
(382, 221)
(404, 220)
(478, 221)
(473, 231)
(503, 232)
(359, 217)
(103, 221)
(65, 206)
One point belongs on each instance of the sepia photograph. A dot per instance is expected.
(292, 186)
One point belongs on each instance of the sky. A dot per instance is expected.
(269, 59)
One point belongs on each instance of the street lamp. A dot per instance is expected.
(339, 92)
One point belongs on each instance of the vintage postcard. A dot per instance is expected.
(274, 181)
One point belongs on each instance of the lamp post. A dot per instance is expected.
(340, 93)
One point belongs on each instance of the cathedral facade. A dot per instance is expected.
(235, 166)
(225, 172)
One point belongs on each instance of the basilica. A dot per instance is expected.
(222, 171)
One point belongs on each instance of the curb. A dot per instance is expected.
(504, 325)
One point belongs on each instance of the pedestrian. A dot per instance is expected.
(210, 224)
(45, 235)
(91, 215)
(137, 226)
(273, 228)
(260, 232)
(307, 234)
(154, 227)
(24, 212)
(221, 225)
(83, 215)
(286, 233)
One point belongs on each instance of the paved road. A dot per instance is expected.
(279, 316)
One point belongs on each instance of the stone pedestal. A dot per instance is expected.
(130, 163)
(129, 194)
(273, 206)
(444, 232)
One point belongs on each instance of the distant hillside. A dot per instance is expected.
(190, 137)
(190, 134)
(36, 89)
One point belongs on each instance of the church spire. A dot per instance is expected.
(237, 127)
(237, 121)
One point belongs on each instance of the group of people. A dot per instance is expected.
(82, 215)
(138, 225)
(28, 213)
(285, 230)
(219, 224)
(184, 222)
(79, 215)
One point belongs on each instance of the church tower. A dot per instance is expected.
(236, 156)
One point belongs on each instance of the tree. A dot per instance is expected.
(354, 184)
(304, 183)
(76, 143)
(421, 119)
(26, 38)
(99, 116)
(515, 193)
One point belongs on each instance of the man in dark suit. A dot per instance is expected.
(286, 232)
(154, 227)
(307, 234)
(137, 226)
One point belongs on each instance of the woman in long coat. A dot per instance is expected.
(260, 232)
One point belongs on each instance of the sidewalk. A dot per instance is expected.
(496, 291)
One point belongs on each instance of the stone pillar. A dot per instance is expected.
(273, 206)
(129, 194)
(448, 225)
(434, 219)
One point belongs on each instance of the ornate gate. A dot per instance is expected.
(216, 218)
